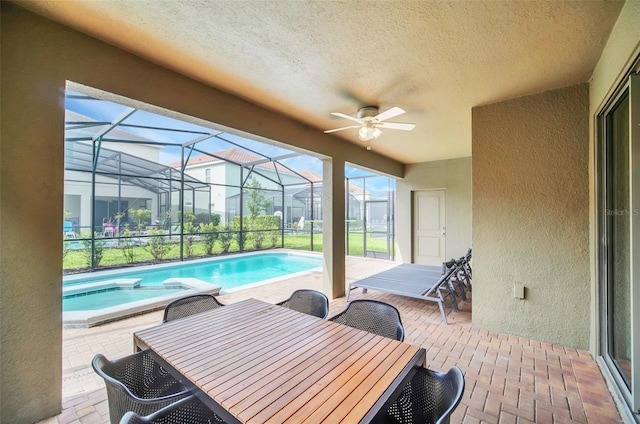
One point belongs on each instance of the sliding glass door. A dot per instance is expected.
(619, 235)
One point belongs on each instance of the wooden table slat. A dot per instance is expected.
(311, 397)
(180, 334)
(247, 367)
(184, 326)
(271, 369)
(188, 339)
(242, 343)
(301, 377)
(358, 402)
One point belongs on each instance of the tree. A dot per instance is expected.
(98, 248)
(257, 201)
(141, 216)
(188, 230)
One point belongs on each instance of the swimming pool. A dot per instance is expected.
(112, 293)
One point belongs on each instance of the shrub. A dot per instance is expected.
(205, 218)
(258, 238)
(202, 218)
(98, 249)
(141, 217)
(189, 230)
(157, 244)
(209, 234)
(127, 246)
(226, 236)
(274, 235)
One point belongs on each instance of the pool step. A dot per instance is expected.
(193, 283)
(122, 283)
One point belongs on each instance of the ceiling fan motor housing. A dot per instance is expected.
(367, 112)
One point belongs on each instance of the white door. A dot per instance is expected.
(429, 227)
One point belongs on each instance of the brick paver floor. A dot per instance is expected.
(508, 379)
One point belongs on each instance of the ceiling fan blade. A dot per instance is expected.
(343, 128)
(396, 126)
(342, 115)
(388, 114)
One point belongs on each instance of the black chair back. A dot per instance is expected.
(188, 410)
(372, 316)
(136, 383)
(430, 397)
(310, 302)
(190, 305)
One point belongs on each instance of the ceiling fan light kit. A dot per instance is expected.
(370, 122)
(368, 131)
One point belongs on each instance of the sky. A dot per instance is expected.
(178, 132)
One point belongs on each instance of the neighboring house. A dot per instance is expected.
(290, 191)
(228, 170)
(128, 176)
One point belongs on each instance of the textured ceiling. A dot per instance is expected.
(307, 59)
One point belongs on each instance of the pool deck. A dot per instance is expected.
(509, 379)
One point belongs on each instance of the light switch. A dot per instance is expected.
(518, 291)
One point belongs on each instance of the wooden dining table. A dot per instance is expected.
(255, 362)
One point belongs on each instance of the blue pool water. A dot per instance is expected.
(227, 273)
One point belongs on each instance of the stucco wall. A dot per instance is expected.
(454, 176)
(38, 57)
(531, 216)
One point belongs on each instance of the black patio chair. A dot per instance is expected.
(372, 316)
(137, 383)
(188, 410)
(430, 397)
(310, 302)
(190, 305)
(466, 266)
(457, 283)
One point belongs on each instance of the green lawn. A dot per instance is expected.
(78, 259)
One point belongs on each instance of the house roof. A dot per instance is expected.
(311, 176)
(234, 155)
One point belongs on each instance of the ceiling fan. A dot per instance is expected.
(370, 121)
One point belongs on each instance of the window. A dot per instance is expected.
(619, 237)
